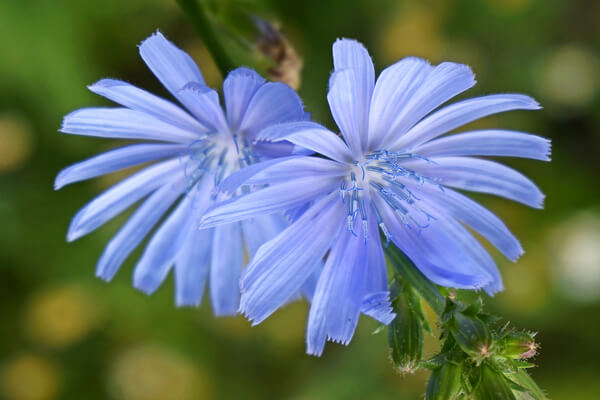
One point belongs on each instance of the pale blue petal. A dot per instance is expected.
(120, 197)
(173, 67)
(395, 87)
(297, 168)
(472, 247)
(351, 55)
(238, 178)
(483, 176)
(443, 83)
(282, 265)
(272, 199)
(203, 103)
(434, 252)
(377, 280)
(309, 135)
(309, 286)
(115, 160)
(459, 114)
(378, 306)
(260, 229)
(191, 267)
(226, 267)
(124, 123)
(273, 103)
(492, 142)
(136, 228)
(347, 290)
(266, 150)
(161, 252)
(317, 327)
(238, 88)
(138, 99)
(343, 104)
(475, 216)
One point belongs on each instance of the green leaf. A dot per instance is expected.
(522, 378)
(407, 269)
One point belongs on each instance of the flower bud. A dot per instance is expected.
(406, 332)
(492, 385)
(518, 345)
(472, 335)
(444, 382)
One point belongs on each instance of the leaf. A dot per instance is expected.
(407, 269)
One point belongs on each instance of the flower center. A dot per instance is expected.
(383, 174)
(217, 154)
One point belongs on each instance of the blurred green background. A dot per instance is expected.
(67, 335)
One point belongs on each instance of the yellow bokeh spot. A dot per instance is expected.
(414, 31)
(16, 142)
(569, 76)
(150, 372)
(60, 316)
(29, 377)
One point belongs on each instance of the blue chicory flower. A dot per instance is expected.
(193, 151)
(390, 173)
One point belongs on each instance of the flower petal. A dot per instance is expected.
(272, 199)
(273, 103)
(434, 252)
(226, 267)
(343, 103)
(483, 176)
(115, 160)
(203, 103)
(309, 135)
(123, 123)
(173, 67)
(191, 267)
(238, 88)
(260, 229)
(488, 143)
(138, 99)
(282, 265)
(351, 55)
(238, 178)
(395, 87)
(459, 114)
(135, 229)
(159, 256)
(121, 196)
(442, 83)
(297, 168)
(475, 216)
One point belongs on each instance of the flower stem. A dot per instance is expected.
(197, 15)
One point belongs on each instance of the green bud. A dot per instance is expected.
(406, 330)
(492, 385)
(518, 345)
(472, 335)
(444, 382)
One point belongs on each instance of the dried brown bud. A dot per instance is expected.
(273, 44)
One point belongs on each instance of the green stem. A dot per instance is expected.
(200, 21)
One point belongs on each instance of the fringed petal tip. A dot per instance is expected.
(156, 35)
